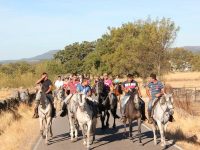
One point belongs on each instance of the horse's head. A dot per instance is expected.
(38, 92)
(60, 94)
(81, 101)
(41, 96)
(169, 101)
(24, 95)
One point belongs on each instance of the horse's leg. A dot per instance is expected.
(139, 129)
(71, 128)
(154, 128)
(51, 133)
(76, 132)
(102, 120)
(162, 136)
(84, 136)
(113, 112)
(41, 127)
(89, 126)
(47, 129)
(107, 121)
(94, 128)
(124, 128)
(130, 128)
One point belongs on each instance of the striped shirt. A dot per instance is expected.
(155, 88)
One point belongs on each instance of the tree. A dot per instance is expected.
(179, 57)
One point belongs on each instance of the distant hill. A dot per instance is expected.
(195, 49)
(46, 56)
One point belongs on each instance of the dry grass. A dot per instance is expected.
(182, 79)
(186, 130)
(18, 131)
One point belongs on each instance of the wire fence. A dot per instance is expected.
(187, 93)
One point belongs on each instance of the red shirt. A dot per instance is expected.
(72, 86)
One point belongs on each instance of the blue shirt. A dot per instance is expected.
(155, 88)
(84, 89)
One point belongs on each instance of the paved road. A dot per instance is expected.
(105, 140)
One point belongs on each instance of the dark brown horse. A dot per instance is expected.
(131, 114)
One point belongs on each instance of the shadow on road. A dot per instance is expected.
(59, 138)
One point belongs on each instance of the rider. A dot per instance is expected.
(59, 83)
(154, 90)
(130, 86)
(85, 88)
(47, 87)
(107, 84)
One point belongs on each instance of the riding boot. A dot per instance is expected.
(171, 118)
(35, 115)
(150, 121)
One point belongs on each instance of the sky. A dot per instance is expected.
(32, 27)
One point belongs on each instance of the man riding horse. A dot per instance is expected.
(86, 89)
(154, 90)
(47, 87)
(130, 86)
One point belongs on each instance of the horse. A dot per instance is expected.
(86, 119)
(106, 102)
(24, 96)
(59, 95)
(45, 114)
(72, 103)
(161, 113)
(118, 90)
(132, 113)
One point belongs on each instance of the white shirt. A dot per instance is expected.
(59, 84)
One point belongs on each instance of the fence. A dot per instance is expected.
(187, 93)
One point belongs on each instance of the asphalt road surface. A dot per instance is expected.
(109, 139)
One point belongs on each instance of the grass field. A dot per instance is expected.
(18, 131)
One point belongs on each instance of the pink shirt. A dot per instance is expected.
(108, 82)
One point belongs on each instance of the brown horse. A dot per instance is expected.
(131, 114)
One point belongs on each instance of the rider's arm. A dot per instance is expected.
(50, 88)
(41, 79)
(148, 93)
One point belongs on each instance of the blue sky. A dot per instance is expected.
(32, 27)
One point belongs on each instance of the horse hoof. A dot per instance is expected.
(155, 143)
(130, 138)
(114, 127)
(84, 143)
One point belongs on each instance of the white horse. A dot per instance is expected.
(86, 119)
(161, 113)
(71, 101)
(45, 114)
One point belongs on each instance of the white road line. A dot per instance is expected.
(40, 139)
(170, 142)
(37, 144)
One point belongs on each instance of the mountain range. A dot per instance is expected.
(49, 55)
(45, 56)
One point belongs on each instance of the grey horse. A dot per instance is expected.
(161, 114)
(44, 111)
